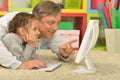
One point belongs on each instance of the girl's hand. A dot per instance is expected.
(31, 40)
(30, 64)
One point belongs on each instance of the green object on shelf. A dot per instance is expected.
(118, 19)
(72, 4)
(66, 26)
(34, 2)
(113, 19)
(117, 22)
(100, 47)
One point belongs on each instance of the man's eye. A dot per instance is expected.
(34, 28)
(50, 23)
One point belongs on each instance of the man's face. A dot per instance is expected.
(49, 25)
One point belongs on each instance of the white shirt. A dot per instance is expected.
(6, 58)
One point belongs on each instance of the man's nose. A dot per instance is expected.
(55, 27)
(38, 32)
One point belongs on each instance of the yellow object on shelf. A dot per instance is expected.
(2, 13)
(72, 4)
(34, 2)
(79, 10)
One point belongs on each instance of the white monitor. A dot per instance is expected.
(88, 42)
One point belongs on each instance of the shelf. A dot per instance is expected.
(101, 44)
(29, 9)
(73, 11)
(81, 16)
(79, 22)
(90, 15)
(3, 13)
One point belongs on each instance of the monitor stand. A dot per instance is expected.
(89, 68)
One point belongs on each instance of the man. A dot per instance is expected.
(49, 14)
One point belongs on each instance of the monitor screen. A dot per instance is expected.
(88, 42)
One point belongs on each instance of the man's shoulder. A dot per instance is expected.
(6, 18)
(10, 14)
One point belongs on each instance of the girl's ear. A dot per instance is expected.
(22, 31)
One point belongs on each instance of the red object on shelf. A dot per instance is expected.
(95, 4)
(5, 7)
(106, 13)
(79, 23)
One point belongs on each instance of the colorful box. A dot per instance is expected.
(72, 4)
(95, 4)
(67, 35)
(66, 26)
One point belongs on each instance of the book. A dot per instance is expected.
(51, 67)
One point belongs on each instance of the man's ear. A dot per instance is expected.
(22, 31)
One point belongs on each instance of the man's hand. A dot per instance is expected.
(66, 49)
(30, 64)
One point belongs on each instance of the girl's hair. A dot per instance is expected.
(19, 20)
(46, 8)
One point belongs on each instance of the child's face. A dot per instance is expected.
(33, 29)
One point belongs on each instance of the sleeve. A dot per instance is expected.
(14, 45)
(28, 52)
(54, 44)
(6, 58)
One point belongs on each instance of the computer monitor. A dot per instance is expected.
(88, 42)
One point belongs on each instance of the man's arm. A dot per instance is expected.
(55, 44)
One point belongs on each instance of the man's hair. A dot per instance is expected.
(19, 20)
(46, 8)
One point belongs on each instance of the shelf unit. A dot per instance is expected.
(79, 22)
(14, 7)
(81, 16)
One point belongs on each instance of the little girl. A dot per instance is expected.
(23, 36)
